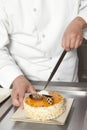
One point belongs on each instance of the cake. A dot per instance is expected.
(47, 105)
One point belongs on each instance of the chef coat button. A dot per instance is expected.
(34, 9)
(43, 35)
(50, 58)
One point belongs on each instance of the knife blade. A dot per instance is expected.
(55, 68)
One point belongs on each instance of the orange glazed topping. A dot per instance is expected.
(43, 103)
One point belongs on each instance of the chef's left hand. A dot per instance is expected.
(73, 34)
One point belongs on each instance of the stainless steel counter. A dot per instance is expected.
(77, 117)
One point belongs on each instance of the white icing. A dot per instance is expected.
(44, 92)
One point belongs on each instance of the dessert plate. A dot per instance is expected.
(4, 93)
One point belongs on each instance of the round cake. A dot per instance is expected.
(45, 107)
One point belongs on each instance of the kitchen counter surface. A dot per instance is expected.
(77, 117)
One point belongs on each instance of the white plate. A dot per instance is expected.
(4, 93)
(19, 115)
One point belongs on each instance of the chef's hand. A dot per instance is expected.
(20, 86)
(73, 34)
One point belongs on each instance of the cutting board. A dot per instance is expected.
(19, 115)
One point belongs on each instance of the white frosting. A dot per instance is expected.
(44, 92)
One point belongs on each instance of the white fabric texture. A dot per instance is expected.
(30, 38)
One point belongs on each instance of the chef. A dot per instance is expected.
(33, 34)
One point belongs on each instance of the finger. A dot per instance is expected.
(22, 94)
(72, 43)
(63, 42)
(15, 102)
(21, 101)
(21, 98)
(78, 43)
(31, 88)
(15, 99)
(66, 44)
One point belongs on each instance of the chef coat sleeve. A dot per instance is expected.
(83, 9)
(8, 67)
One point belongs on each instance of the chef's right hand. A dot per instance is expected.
(73, 35)
(20, 86)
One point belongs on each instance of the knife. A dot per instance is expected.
(55, 68)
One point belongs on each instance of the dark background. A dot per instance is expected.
(82, 54)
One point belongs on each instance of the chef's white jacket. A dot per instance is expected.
(30, 39)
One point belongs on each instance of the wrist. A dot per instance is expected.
(19, 78)
(81, 22)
